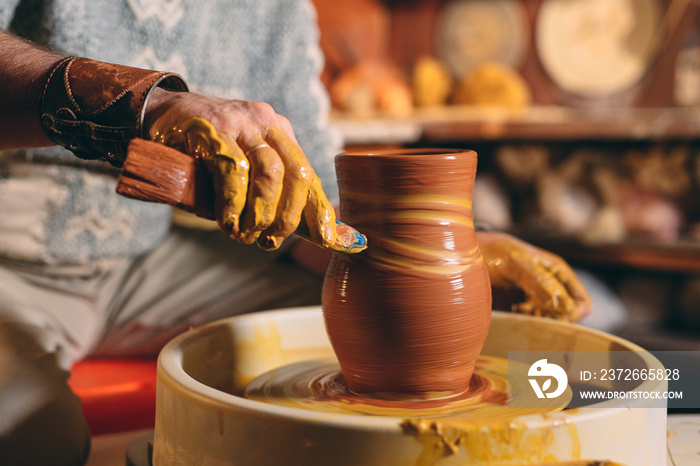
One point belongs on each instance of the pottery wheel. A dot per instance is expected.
(318, 385)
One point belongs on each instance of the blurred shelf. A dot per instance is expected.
(682, 256)
(456, 123)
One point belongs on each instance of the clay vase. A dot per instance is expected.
(408, 316)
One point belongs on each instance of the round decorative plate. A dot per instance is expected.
(597, 48)
(470, 32)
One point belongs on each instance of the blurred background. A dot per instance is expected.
(586, 118)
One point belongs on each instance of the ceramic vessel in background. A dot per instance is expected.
(408, 316)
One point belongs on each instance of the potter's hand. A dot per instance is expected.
(550, 286)
(262, 179)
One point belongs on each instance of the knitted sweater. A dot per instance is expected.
(57, 208)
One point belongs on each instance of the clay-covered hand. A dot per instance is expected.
(263, 182)
(550, 286)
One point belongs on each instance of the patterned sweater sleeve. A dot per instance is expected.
(7, 10)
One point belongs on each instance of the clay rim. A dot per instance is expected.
(400, 153)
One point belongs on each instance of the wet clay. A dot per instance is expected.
(318, 385)
(477, 423)
(408, 317)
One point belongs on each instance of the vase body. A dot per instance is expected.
(408, 316)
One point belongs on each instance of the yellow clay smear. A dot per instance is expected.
(304, 190)
(412, 201)
(297, 179)
(477, 424)
(555, 293)
(227, 162)
(411, 254)
(318, 386)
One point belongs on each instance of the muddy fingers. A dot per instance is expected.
(295, 191)
(264, 191)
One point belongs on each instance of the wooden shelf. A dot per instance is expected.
(455, 123)
(679, 257)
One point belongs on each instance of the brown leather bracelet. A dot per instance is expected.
(94, 109)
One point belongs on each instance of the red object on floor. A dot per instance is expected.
(118, 395)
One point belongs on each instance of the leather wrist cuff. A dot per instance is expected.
(94, 109)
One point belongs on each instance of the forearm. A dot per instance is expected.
(24, 70)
